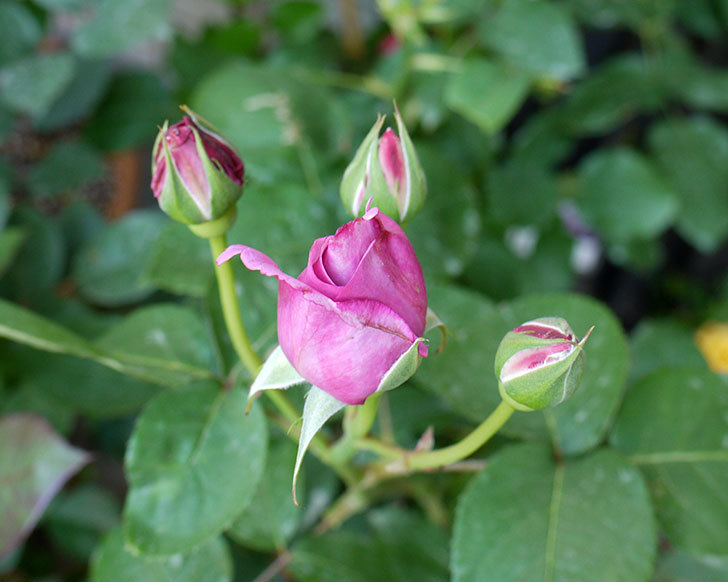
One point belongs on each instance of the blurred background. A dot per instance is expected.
(569, 145)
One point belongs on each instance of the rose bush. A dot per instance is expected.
(358, 306)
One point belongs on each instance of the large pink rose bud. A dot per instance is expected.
(356, 308)
(386, 170)
(197, 177)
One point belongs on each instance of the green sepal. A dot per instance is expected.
(277, 373)
(546, 386)
(416, 182)
(224, 192)
(174, 200)
(319, 407)
(217, 227)
(403, 369)
(378, 189)
(355, 173)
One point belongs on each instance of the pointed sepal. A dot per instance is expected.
(276, 373)
(319, 407)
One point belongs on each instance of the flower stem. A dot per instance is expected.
(358, 421)
(231, 309)
(464, 448)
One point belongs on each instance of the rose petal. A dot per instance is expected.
(392, 162)
(531, 358)
(390, 273)
(542, 331)
(346, 248)
(344, 349)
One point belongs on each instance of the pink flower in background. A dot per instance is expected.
(358, 306)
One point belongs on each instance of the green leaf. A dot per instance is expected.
(29, 398)
(659, 343)
(109, 270)
(487, 93)
(299, 22)
(116, 562)
(31, 85)
(41, 259)
(34, 464)
(255, 116)
(681, 567)
(81, 222)
(11, 239)
(180, 262)
(4, 198)
(271, 518)
(193, 463)
(445, 233)
(61, 5)
(397, 546)
(517, 268)
(525, 517)
(581, 422)
(119, 26)
(536, 36)
(136, 104)
(612, 13)
(26, 327)
(614, 93)
(624, 197)
(699, 86)
(87, 387)
(701, 17)
(19, 30)
(80, 97)
(69, 166)
(692, 153)
(674, 426)
(77, 519)
(520, 194)
(169, 338)
(293, 219)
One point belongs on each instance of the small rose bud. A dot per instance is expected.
(196, 175)
(539, 364)
(385, 169)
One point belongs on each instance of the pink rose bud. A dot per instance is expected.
(539, 364)
(386, 170)
(358, 306)
(196, 175)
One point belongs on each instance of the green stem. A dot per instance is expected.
(399, 463)
(381, 448)
(464, 448)
(357, 423)
(231, 309)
